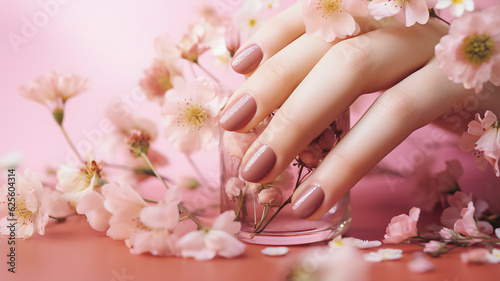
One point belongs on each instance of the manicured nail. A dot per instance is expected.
(247, 60)
(239, 113)
(259, 165)
(308, 201)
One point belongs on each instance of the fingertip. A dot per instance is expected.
(308, 201)
(246, 60)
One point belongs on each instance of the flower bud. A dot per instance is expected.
(232, 39)
(271, 196)
(138, 142)
(233, 187)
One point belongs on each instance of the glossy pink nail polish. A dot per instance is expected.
(308, 201)
(247, 59)
(259, 165)
(239, 113)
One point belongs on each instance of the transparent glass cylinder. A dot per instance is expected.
(264, 210)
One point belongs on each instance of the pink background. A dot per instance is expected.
(111, 43)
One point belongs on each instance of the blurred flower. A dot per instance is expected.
(497, 232)
(271, 4)
(248, 18)
(470, 53)
(406, 11)
(158, 80)
(494, 256)
(138, 143)
(275, 251)
(188, 183)
(233, 187)
(402, 227)
(168, 52)
(271, 196)
(194, 43)
(236, 144)
(467, 225)
(339, 242)
(76, 183)
(93, 207)
(457, 7)
(29, 214)
(420, 264)
(11, 160)
(125, 205)
(384, 254)
(482, 135)
(219, 240)
(311, 156)
(191, 114)
(232, 39)
(435, 248)
(55, 204)
(333, 18)
(449, 234)
(477, 256)
(447, 180)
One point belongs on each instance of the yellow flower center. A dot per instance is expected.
(454, 2)
(252, 22)
(89, 170)
(478, 48)
(194, 116)
(22, 211)
(164, 82)
(331, 6)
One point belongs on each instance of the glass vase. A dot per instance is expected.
(264, 210)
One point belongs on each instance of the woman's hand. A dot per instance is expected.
(312, 82)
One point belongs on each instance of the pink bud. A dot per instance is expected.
(271, 196)
(233, 187)
(232, 39)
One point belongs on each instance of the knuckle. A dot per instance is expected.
(403, 106)
(352, 55)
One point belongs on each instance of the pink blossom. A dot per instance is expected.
(232, 39)
(93, 207)
(467, 225)
(447, 180)
(247, 17)
(237, 144)
(477, 256)
(485, 227)
(457, 7)
(311, 156)
(233, 187)
(470, 53)
(420, 264)
(402, 227)
(406, 11)
(219, 240)
(55, 204)
(125, 205)
(167, 50)
(54, 88)
(194, 43)
(447, 233)
(30, 215)
(483, 136)
(158, 243)
(190, 114)
(435, 248)
(271, 196)
(158, 80)
(333, 18)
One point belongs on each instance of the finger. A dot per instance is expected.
(271, 85)
(348, 69)
(275, 34)
(414, 102)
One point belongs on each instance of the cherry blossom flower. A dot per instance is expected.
(54, 203)
(420, 264)
(477, 256)
(158, 80)
(408, 12)
(457, 7)
(483, 135)
(275, 251)
(190, 114)
(402, 227)
(494, 256)
(271, 4)
(29, 213)
(384, 254)
(247, 17)
(333, 18)
(219, 240)
(92, 205)
(233, 187)
(125, 205)
(339, 242)
(470, 53)
(467, 225)
(76, 183)
(167, 51)
(271, 196)
(435, 248)
(232, 39)
(54, 88)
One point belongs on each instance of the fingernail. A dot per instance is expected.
(308, 201)
(247, 60)
(259, 165)
(239, 113)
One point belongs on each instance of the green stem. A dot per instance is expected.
(240, 202)
(150, 201)
(153, 169)
(200, 225)
(208, 72)
(264, 215)
(71, 145)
